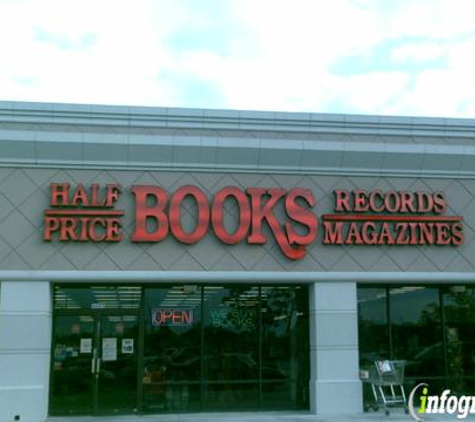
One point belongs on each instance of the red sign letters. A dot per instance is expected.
(172, 317)
(391, 218)
(256, 206)
(360, 218)
(82, 216)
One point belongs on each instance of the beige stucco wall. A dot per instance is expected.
(24, 196)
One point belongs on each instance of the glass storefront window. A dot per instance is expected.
(459, 312)
(172, 349)
(231, 351)
(97, 297)
(431, 328)
(373, 325)
(239, 347)
(416, 330)
(285, 347)
(179, 348)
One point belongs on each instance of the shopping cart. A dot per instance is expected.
(386, 379)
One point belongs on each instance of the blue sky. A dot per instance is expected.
(391, 57)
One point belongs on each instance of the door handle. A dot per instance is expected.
(93, 362)
(98, 366)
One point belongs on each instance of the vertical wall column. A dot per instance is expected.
(25, 343)
(335, 387)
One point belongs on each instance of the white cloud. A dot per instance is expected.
(254, 54)
(373, 92)
(438, 19)
(120, 65)
(293, 44)
(317, 31)
(419, 52)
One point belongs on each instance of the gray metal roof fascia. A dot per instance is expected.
(159, 117)
(30, 140)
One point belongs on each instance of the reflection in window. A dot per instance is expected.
(431, 328)
(416, 330)
(171, 375)
(373, 325)
(225, 348)
(71, 387)
(97, 297)
(285, 347)
(231, 337)
(459, 307)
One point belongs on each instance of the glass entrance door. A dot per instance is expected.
(72, 381)
(116, 364)
(94, 364)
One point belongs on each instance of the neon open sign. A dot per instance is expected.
(172, 317)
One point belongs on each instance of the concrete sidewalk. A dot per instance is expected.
(395, 416)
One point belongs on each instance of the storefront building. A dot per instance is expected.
(158, 260)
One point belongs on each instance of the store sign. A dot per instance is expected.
(391, 218)
(172, 317)
(79, 215)
(83, 215)
(360, 218)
